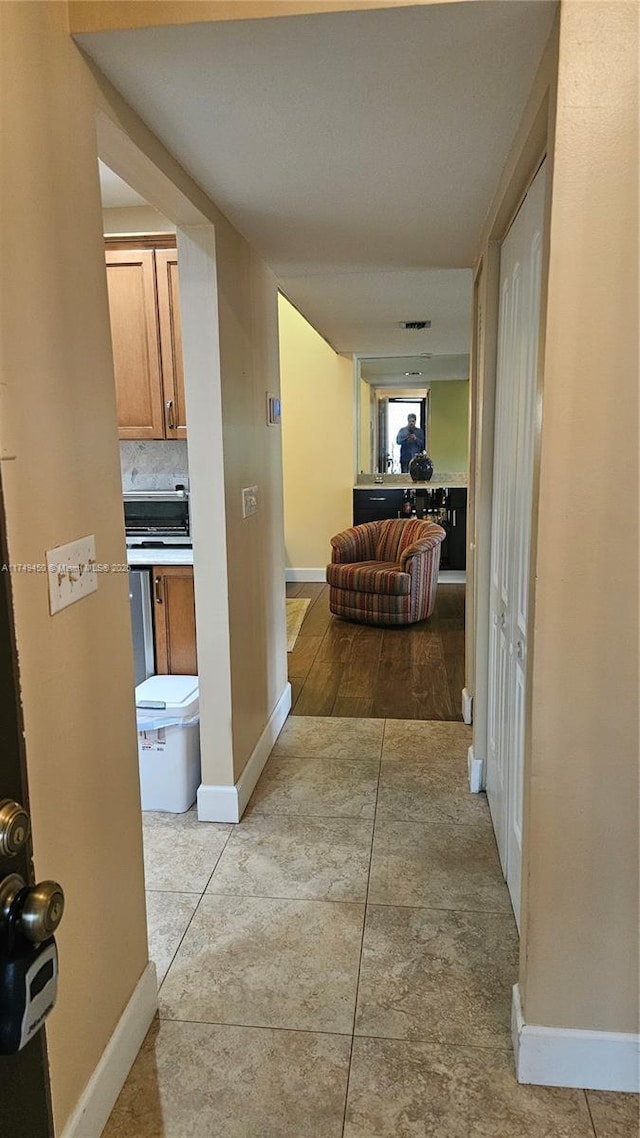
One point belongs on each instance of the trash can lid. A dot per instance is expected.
(177, 694)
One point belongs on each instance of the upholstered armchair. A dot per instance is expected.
(385, 572)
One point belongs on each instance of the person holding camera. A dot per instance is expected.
(411, 442)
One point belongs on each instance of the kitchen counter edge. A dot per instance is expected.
(434, 484)
(163, 555)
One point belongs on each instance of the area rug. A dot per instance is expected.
(296, 609)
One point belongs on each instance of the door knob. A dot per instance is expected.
(35, 911)
(14, 827)
(29, 915)
(41, 911)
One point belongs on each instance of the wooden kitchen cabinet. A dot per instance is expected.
(174, 620)
(147, 342)
(171, 343)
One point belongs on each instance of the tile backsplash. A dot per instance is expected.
(154, 464)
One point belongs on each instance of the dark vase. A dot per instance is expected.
(421, 467)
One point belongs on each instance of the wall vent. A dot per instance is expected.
(415, 325)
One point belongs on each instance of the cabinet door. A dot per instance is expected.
(457, 538)
(134, 335)
(174, 620)
(175, 417)
(376, 505)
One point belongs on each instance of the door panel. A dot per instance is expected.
(496, 779)
(175, 413)
(175, 620)
(134, 336)
(519, 317)
(24, 1078)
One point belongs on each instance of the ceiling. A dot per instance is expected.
(391, 371)
(362, 311)
(358, 151)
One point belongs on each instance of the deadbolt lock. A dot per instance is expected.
(14, 827)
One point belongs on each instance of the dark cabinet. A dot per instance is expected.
(386, 502)
(376, 505)
(454, 552)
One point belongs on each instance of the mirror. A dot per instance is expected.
(434, 389)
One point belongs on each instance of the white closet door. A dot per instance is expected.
(519, 318)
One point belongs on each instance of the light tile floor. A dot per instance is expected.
(341, 962)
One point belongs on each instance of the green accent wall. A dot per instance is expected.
(450, 425)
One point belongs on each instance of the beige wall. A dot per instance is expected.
(58, 420)
(95, 15)
(450, 425)
(136, 219)
(580, 933)
(61, 480)
(252, 456)
(579, 942)
(317, 440)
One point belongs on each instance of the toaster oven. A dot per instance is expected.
(157, 517)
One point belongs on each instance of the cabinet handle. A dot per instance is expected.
(372, 499)
(158, 589)
(171, 423)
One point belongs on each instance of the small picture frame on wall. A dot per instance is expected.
(273, 410)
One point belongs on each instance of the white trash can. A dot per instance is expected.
(167, 714)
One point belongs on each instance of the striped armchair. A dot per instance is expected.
(385, 572)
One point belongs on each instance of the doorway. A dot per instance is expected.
(198, 291)
(393, 412)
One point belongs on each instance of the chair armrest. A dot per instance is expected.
(427, 545)
(355, 544)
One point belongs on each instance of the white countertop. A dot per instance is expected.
(164, 555)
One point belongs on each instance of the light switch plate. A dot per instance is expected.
(249, 501)
(71, 572)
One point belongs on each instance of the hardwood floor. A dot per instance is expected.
(346, 669)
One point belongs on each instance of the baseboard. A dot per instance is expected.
(565, 1057)
(302, 575)
(228, 803)
(99, 1096)
(452, 577)
(467, 706)
(475, 768)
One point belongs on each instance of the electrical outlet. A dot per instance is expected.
(71, 572)
(249, 501)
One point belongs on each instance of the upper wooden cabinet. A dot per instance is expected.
(171, 343)
(147, 343)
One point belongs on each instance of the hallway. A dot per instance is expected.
(341, 962)
(341, 668)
